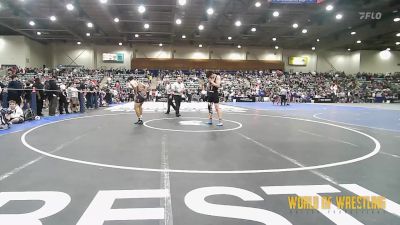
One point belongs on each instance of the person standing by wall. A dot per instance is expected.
(52, 95)
(39, 96)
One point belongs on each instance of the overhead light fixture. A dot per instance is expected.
(141, 9)
(304, 31)
(318, 40)
(210, 11)
(53, 18)
(239, 46)
(398, 34)
(253, 29)
(388, 49)
(78, 43)
(70, 7)
(358, 42)
(38, 33)
(160, 44)
(353, 33)
(329, 8)
(385, 54)
(339, 16)
(295, 25)
(348, 49)
(90, 25)
(397, 19)
(32, 23)
(397, 43)
(87, 34)
(313, 48)
(183, 36)
(275, 14)
(178, 21)
(274, 39)
(182, 2)
(276, 47)
(201, 27)
(257, 4)
(229, 38)
(200, 45)
(116, 20)
(120, 44)
(146, 26)
(238, 23)
(103, 1)
(136, 35)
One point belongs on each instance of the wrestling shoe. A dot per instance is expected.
(220, 124)
(139, 122)
(209, 122)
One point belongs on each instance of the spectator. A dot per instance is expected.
(14, 90)
(14, 115)
(39, 96)
(52, 95)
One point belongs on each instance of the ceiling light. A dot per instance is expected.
(353, 33)
(304, 31)
(276, 47)
(313, 48)
(318, 40)
(348, 49)
(275, 14)
(388, 49)
(178, 21)
(385, 54)
(229, 38)
(239, 46)
(78, 43)
(210, 11)
(70, 7)
(116, 20)
(329, 7)
(146, 26)
(90, 25)
(53, 18)
(398, 34)
(397, 43)
(238, 23)
(38, 33)
(136, 35)
(295, 25)
(359, 42)
(339, 16)
(273, 39)
(200, 45)
(32, 23)
(201, 27)
(160, 44)
(397, 19)
(257, 4)
(87, 34)
(253, 29)
(182, 2)
(120, 44)
(141, 9)
(103, 1)
(183, 36)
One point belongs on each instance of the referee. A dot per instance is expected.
(178, 88)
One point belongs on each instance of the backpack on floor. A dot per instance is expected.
(29, 115)
(3, 122)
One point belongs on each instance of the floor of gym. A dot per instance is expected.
(260, 148)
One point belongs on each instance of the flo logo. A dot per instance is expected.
(370, 15)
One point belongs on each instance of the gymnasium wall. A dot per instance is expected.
(24, 52)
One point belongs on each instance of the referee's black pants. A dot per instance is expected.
(170, 103)
(178, 100)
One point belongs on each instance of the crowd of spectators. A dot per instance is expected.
(67, 90)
